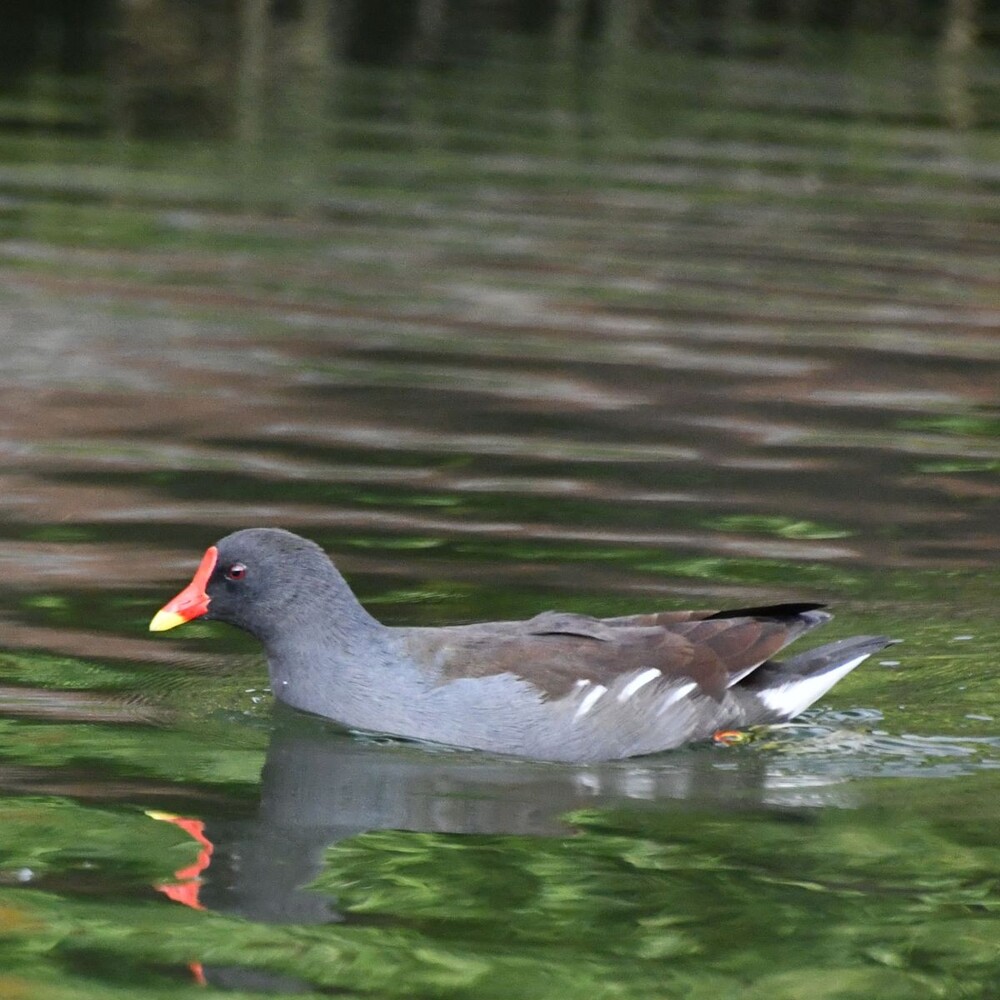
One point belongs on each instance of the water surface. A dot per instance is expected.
(717, 346)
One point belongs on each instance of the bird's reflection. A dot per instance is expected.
(320, 785)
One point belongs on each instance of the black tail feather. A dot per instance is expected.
(779, 611)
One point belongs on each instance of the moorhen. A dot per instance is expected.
(558, 686)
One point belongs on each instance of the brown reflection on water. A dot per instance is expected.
(674, 422)
(529, 366)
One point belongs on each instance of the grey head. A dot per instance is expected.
(270, 582)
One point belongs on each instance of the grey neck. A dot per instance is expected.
(327, 662)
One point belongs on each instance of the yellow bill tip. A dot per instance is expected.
(164, 620)
(160, 814)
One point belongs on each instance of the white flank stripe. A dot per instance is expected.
(674, 696)
(588, 702)
(796, 696)
(638, 682)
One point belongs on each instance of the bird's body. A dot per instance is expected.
(557, 686)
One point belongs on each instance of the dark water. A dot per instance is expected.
(726, 334)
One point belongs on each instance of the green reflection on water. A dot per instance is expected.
(783, 527)
(894, 896)
(883, 900)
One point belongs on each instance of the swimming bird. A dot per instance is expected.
(558, 686)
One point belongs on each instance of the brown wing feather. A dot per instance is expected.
(554, 663)
(659, 618)
(553, 650)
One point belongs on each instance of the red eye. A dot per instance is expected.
(236, 572)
